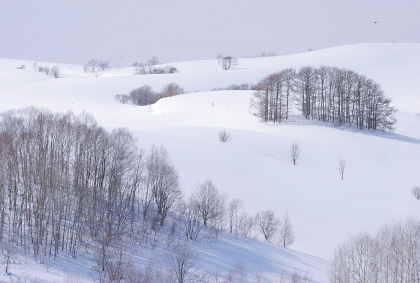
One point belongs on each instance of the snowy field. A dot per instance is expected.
(255, 166)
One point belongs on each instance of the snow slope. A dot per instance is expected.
(255, 167)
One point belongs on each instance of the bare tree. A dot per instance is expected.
(233, 210)
(246, 223)
(9, 254)
(227, 62)
(192, 221)
(104, 65)
(139, 68)
(162, 181)
(294, 152)
(92, 66)
(153, 61)
(224, 136)
(341, 167)
(122, 98)
(287, 236)
(180, 259)
(416, 192)
(238, 274)
(207, 201)
(268, 223)
(300, 277)
(55, 71)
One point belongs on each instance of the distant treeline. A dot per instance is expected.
(326, 94)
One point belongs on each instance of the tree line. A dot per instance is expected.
(391, 255)
(68, 185)
(331, 94)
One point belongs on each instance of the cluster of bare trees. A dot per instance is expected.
(150, 68)
(94, 66)
(392, 255)
(146, 96)
(326, 94)
(68, 185)
(65, 183)
(53, 71)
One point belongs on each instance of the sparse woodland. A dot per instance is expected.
(391, 255)
(327, 94)
(68, 186)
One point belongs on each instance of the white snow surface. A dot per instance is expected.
(255, 166)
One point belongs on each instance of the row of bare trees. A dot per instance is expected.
(326, 94)
(150, 68)
(145, 95)
(208, 207)
(392, 255)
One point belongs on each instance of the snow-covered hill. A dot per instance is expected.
(255, 167)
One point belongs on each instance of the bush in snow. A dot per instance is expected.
(171, 89)
(224, 136)
(143, 96)
(416, 192)
(146, 96)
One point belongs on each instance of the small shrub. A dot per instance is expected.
(416, 192)
(224, 136)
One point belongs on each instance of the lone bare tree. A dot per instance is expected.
(294, 152)
(227, 62)
(341, 167)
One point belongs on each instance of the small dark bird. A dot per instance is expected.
(375, 23)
